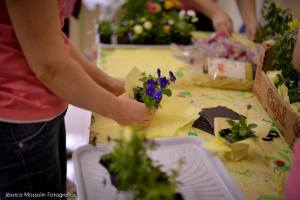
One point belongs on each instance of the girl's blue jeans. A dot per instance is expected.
(32, 158)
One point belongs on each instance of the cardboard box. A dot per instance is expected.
(286, 119)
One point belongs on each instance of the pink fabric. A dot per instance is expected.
(69, 7)
(292, 188)
(22, 96)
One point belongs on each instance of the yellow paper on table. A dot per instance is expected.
(119, 62)
(175, 113)
(132, 81)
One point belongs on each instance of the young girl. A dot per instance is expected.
(40, 73)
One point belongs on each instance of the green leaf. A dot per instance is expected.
(243, 132)
(243, 121)
(251, 126)
(167, 92)
(231, 123)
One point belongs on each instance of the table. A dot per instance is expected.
(259, 177)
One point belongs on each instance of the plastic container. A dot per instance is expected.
(203, 176)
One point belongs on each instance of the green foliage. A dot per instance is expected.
(165, 21)
(122, 30)
(183, 29)
(105, 28)
(134, 9)
(276, 21)
(136, 171)
(294, 95)
(240, 130)
(282, 58)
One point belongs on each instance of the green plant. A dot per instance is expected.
(121, 30)
(239, 130)
(276, 21)
(182, 29)
(134, 9)
(282, 58)
(105, 28)
(137, 173)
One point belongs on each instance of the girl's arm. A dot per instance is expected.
(37, 27)
(113, 85)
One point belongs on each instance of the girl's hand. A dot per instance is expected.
(132, 112)
(115, 86)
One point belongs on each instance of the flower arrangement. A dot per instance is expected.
(105, 31)
(153, 89)
(133, 171)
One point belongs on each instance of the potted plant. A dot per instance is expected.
(234, 133)
(183, 27)
(153, 88)
(122, 33)
(134, 172)
(105, 32)
(163, 34)
(181, 33)
(138, 36)
(142, 32)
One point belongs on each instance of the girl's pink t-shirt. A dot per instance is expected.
(23, 98)
(292, 187)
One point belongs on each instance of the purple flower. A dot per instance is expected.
(172, 76)
(163, 82)
(150, 91)
(158, 72)
(157, 96)
(152, 82)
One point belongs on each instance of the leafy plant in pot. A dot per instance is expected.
(134, 172)
(122, 33)
(153, 88)
(234, 135)
(105, 32)
(183, 27)
(181, 33)
(142, 32)
(163, 34)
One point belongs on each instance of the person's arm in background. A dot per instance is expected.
(248, 12)
(296, 55)
(36, 24)
(113, 85)
(210, 8)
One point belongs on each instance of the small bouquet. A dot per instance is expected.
(153, 88)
